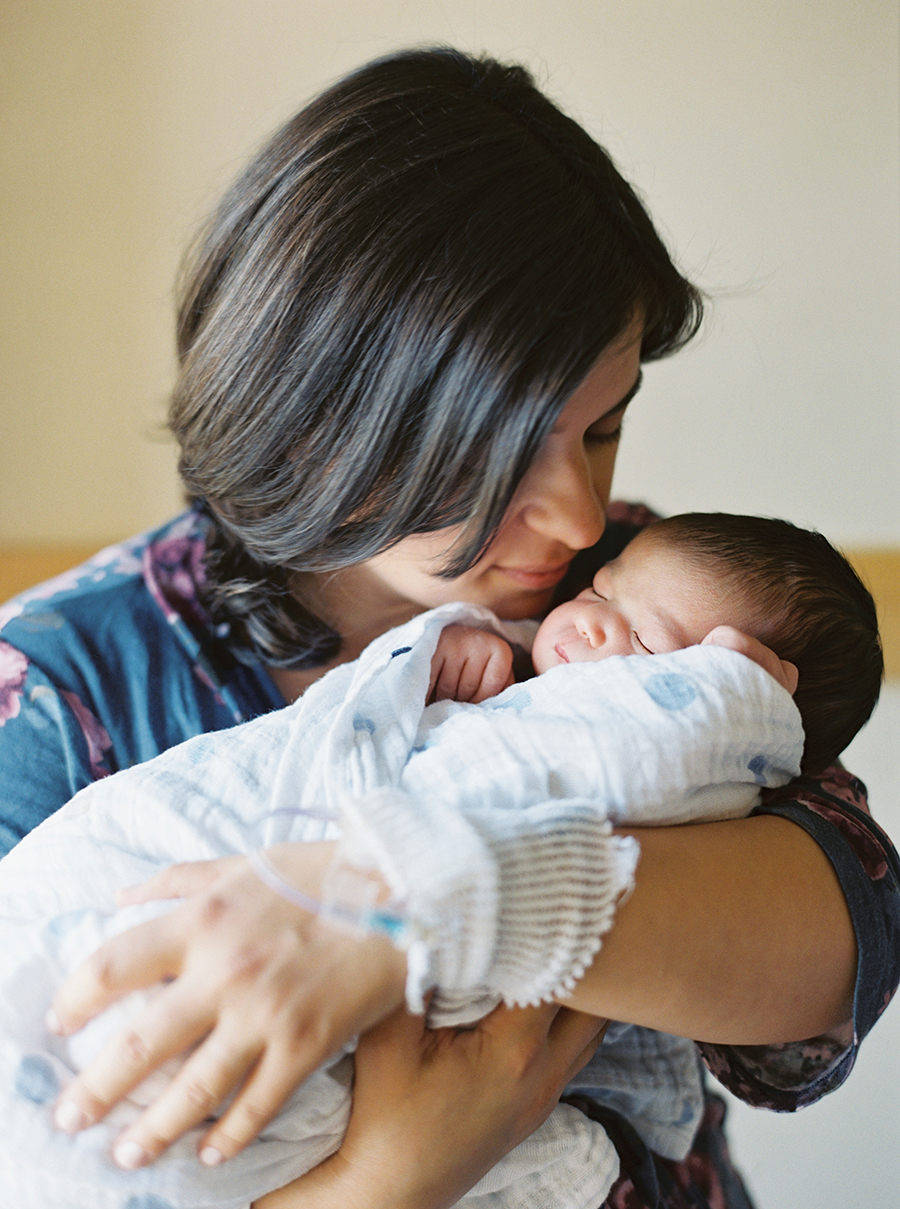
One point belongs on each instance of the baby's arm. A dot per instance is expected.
(736, 640)
(470, 664)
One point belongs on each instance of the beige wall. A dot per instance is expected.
(765, 137)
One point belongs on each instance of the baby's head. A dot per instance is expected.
(787, 587)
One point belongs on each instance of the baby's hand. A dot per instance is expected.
(736, 640)
(469, 665)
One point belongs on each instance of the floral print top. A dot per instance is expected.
(106, 666)
(116, 661)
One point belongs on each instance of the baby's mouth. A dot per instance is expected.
(563, 657)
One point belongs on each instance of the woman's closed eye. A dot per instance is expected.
(597, 437)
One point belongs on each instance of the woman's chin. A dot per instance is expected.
(523, 605)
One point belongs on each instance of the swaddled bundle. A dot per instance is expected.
(492, 825)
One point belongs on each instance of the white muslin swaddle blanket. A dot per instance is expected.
(492, 825)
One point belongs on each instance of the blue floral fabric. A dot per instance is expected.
(106, 666)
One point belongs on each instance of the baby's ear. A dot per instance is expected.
(736, 640)
(791, 675)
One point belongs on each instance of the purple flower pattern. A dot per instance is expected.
(173, 570)
(95, 734)
(13, 671)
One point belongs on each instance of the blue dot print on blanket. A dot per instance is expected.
(670, 690)
(36, 1080)
(360, 722)
(145, 1201)
(758, 767)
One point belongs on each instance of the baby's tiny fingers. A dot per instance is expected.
(497, 674)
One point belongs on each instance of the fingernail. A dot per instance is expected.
(129, 1155)
(52, 1022)
(69, 1117)
(210, 1157)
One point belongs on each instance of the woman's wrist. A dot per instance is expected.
(339, 1184)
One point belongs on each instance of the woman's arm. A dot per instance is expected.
(736, 933)
(832, 811)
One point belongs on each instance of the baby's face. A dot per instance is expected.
(647, 601)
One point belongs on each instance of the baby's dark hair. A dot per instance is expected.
(809, 606)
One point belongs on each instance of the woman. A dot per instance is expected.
(406, 345)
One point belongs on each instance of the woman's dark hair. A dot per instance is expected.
(809, 605)
(384, 319)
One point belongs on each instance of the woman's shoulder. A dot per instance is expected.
(117, 571)
(131, 613)
(109, 664)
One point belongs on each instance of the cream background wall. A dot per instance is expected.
(765, 138)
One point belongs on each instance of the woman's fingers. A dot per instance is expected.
(464, 1098)
(147, 954)
(264, 989)
(167, 1026)
(547, 1044)
(576, 1036)
(269, 1085)
(178, 881)
(736, 640)
(220, 1063)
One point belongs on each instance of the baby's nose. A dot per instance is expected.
(591, 625)
(602, 627)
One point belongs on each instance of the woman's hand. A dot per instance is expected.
(433, 1110)
(264, 989)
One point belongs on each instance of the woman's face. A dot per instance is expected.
(558, 509)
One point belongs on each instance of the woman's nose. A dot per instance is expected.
(561, 500)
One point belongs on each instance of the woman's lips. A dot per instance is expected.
(536, 577)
